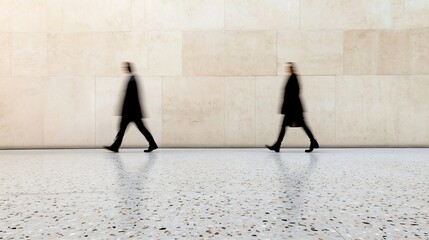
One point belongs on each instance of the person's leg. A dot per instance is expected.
(122, 127)
(282, 133)
(146, 133)
(313, 143)
(308, 131)
(277, 145)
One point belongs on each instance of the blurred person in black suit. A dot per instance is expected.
(131, 112)
(292, 110)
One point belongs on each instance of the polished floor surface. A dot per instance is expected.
(215, 194)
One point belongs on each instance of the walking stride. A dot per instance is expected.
(293, 112)
(131, 112)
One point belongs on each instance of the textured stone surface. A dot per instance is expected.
(219, 194)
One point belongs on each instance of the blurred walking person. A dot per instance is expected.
(293, 112)
(131, 112)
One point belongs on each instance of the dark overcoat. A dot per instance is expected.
(292, 106)
(131, 105)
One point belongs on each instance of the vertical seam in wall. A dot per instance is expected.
(182, 13)
(132, 27)
(254, 113)
(299, 15)
(95, 111)
(10, 54)
(397, 120)
(224, 15)
(146, 36)
(144, 15)
(277, 54)
(43, 106)
(44, 90)
(378, 51)
(182, 70)
(335, 102)
(224, 111)
(343, 33)
(162, 109)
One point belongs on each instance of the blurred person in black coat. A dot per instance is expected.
(131, 112)
(293, 112)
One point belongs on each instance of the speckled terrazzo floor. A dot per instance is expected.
(215, 194)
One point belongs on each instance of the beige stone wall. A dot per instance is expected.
(212, 71)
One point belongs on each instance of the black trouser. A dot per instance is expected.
(140, 126)
(283, 131)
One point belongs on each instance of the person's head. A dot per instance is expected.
(290, 67)
(128, 67)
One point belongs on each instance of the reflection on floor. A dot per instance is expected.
(215, 194)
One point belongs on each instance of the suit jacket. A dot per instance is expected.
(292, 106)
(131, 105)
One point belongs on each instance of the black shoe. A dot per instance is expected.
(274, 148)
(110, 148)
(313, 144)
(151, 148)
